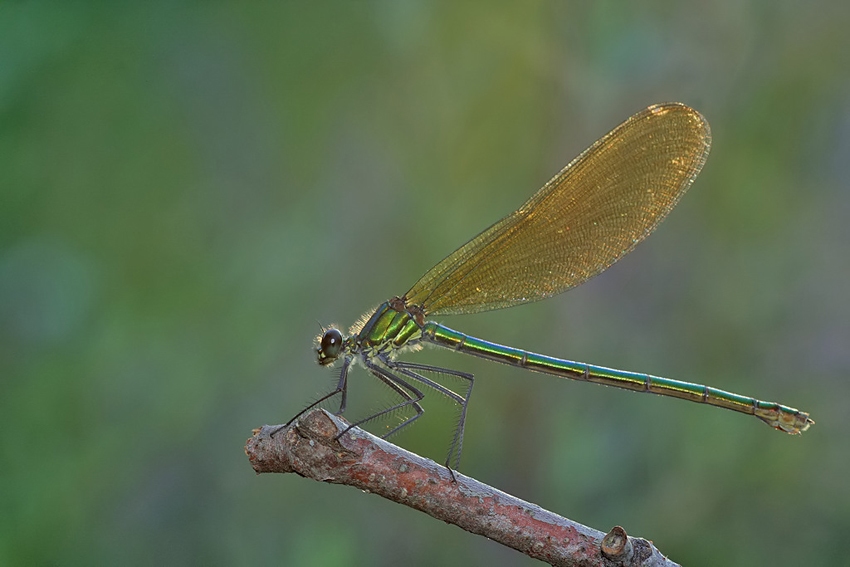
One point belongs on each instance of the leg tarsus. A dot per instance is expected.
(341, 387)
(452, 473)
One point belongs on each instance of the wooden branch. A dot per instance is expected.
(309, 448)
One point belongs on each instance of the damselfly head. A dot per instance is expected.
(330, 345)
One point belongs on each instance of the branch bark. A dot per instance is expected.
(310, 449)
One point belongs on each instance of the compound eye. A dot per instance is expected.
(331, 343)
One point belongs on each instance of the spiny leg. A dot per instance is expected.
(341, 387)
(399, 386)
(408, 368)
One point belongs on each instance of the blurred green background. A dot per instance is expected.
(186, 189)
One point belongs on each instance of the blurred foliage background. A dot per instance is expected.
(185, 189)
